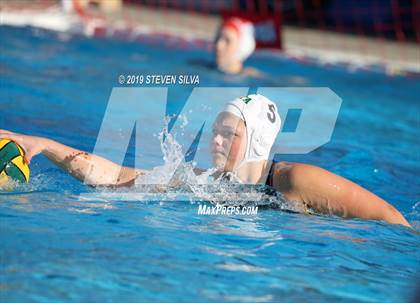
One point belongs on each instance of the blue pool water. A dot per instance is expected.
(57, 247)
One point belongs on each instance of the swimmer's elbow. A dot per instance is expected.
(126, 178)
(116, 184)
(108, 184)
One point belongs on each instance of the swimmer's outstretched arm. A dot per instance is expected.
(326, 192)
(86, 167)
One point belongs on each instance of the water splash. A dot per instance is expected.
(177, 179)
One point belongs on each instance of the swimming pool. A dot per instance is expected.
(57, 247)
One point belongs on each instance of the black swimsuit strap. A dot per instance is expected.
(269, 180)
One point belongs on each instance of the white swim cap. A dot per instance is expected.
(246, 33)
(262, 123)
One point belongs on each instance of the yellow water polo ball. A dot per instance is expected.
(12, 165)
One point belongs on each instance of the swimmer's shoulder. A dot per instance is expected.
(290, 178)
(307, 183)
(280, 174)
(293, 172)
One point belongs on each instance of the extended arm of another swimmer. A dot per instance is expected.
(326, 192)
(86, 167)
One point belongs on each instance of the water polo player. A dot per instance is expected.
(243, 135)
(235, 42)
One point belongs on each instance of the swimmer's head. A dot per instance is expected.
(234, 43)
(245, 131)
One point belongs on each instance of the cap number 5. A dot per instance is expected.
(271, 114)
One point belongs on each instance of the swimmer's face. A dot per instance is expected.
(226, 47)
(228, 141)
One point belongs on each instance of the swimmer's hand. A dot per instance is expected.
(31, 145)
(89, 168)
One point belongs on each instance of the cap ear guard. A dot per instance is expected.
(266, 141)
(258, 149)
